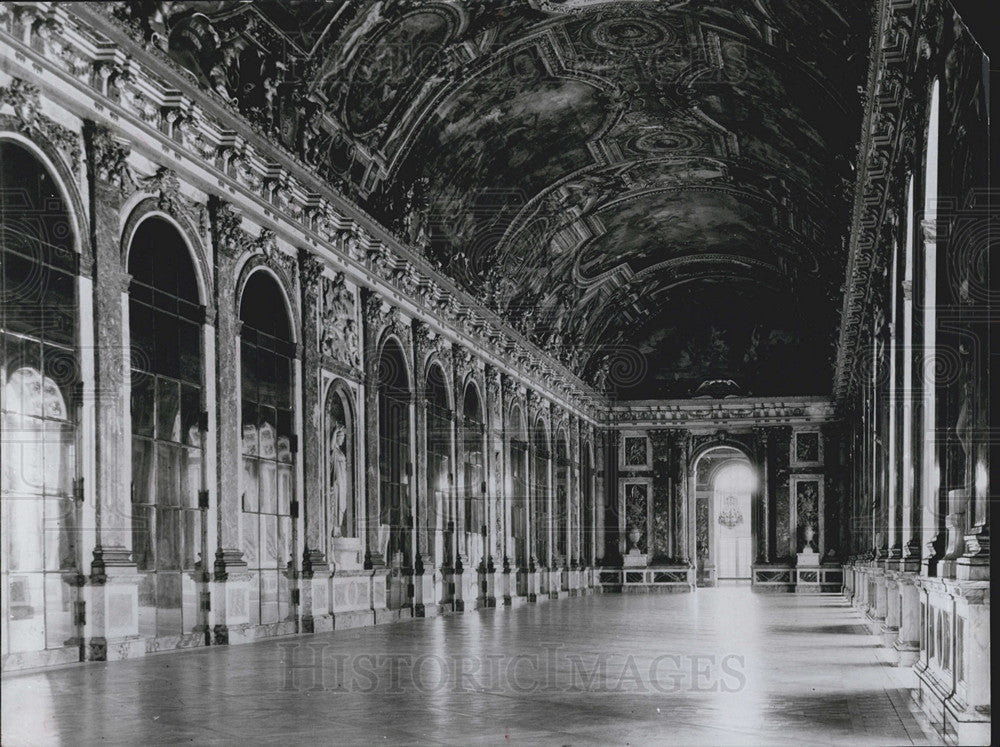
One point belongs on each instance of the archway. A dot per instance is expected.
(438, 520)
(519, 489)
(732, 490)
(395, 518)
(474, 486)
(39, 370)
(167, 377)
(268, 434)
(724, 485)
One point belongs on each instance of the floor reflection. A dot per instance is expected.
(722, 666)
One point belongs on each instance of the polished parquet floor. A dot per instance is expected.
(721, 666)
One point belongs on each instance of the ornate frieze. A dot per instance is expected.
(378, 313)
(906, 34)
(431, 342)
(166, 187)
(310, 269)
(234, 241)
(715, 413)
(109, 158)
(152, 91)
(23, 98)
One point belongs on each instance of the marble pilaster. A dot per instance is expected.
(112, 630)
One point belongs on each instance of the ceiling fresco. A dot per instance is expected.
(657, 192)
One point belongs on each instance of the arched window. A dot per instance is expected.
(561, 501)
(439, 476)
(519, 487)
(541, 492)
(269, 444)
(39, 371)
(340, 461)
(165, 320)
(394, 455)
(474, 487)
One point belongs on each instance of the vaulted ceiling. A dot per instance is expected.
(657, 192)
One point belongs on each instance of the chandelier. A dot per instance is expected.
(730, 516)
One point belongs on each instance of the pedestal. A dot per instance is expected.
(113, 625)
(807, 576)
(315, 590)
(907, 643)
(351, 598)
(634, 559)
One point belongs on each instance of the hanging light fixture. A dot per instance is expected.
(731, 516)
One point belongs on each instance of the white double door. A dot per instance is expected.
(733, 542)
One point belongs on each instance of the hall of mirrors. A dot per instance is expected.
(243, 397)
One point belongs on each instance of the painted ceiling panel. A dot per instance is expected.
(656, 191)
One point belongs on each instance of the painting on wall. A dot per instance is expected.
(806, 448)
(635, 451)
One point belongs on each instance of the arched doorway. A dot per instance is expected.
(724, 483)
(39, 370)
(474, 486)
(518, 492)
(396, 524)
(168, 525)
(268, 433)
(732, 491)
(438, 519)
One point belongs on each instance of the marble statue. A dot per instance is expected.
(339, 480)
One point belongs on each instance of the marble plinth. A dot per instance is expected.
(634, 559)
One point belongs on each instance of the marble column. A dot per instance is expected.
(109, 182)
(373, 307)
(932, 518)
(894, 486)
(113, 625)
(231, 591)
(228, 241)
(424, 565)
(495, 589)
(600, 492)
(314, 556)
(685, 516)
(911, 512)
(764, 552)
(315, 566)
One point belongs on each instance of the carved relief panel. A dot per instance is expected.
(634, 452)
(338, 329)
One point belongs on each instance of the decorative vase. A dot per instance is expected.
(810, 533)
(633, 537)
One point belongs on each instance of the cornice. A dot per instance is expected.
(95, 70)
(886, 138)
(694, 414)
